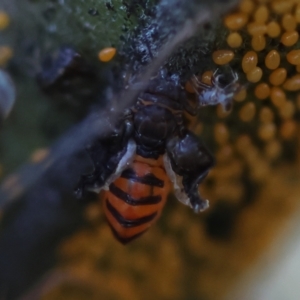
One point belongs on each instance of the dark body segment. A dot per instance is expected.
(135, 200)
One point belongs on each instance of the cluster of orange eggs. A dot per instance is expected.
(264, 34)
(262, 46)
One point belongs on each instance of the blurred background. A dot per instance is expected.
(52, 88)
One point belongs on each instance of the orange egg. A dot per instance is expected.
(107, 54)
(222, 57)
(267, 131)
(287, 110)
(258, 42)
(262, 91)
(243, 142)
(247, 112)
(221, 133)
(278, 76)
(249, 61)
(288, 129)
(293, 57)
(236, 21)
(261, 14)
(206, 77)
(289, 38)
(234, 40)
(272, 60)
(240, 96)
(293, 83)
(273, 29)
(255, 75)
(225, 153)
(282, 6)
(288, 22)
(273, 149)
(277, 96)
(246, 6)
(256, 28)
(221, 113)
(266, 115)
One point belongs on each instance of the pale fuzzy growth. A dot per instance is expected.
(179, 192)
(218, 92)
(123, 164)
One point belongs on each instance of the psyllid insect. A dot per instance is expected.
(150, 148)
(221, 91)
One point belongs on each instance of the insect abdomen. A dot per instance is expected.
(135, 200)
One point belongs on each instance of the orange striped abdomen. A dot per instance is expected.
(135, 200)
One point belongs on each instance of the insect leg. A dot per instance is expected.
(109, 156)
(191, 160)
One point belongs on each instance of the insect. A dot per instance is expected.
(221, 91)
(161, 135)
(151, 148)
